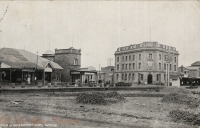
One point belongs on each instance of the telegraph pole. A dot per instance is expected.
(99, 74)
(168, 60)
(36, 66)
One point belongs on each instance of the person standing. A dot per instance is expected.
(29, 80)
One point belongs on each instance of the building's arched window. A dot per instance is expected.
(75, 61)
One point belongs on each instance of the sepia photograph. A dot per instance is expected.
(100, 64)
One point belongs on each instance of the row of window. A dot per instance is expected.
(128, 66)
(146, 44)
(124, 76)
(128, 58)
(131, 76)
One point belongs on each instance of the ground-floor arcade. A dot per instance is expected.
(143, 77)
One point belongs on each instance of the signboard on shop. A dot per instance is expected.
(28, 69)
(48, 69)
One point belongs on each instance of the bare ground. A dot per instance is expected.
(62, 111)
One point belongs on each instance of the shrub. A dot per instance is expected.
(99, 98)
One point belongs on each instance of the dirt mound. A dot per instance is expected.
(185, 116)
(181, 96)
(99, 98)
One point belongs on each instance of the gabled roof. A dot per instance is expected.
(18, 58)
(193, 68)
(185, 68)
(197, 63)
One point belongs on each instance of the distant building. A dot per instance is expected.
(106, 74)
(145, 62)
(85, 75)
(190, 71)
(183, 71)
(190, 74)
(69, 59)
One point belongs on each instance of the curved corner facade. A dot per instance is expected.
(69, 59)
(145, 62)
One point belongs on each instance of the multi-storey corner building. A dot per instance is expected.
(146, 62)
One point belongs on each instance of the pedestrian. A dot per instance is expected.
(29, 80)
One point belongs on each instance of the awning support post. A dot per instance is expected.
(10, 76)
(22, 76)
(44, 78)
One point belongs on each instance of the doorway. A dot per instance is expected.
(150, 79)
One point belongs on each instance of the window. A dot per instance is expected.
(160, 57)
(117, 59)
(117, 76)
(139, 65)
(164, 66)
(150, 56)
(129, 58)
(157, 77)
(118, 67)
(125, 76)
(141, 76)
(159, 66)
(133, 66)
(133, 57)
(164, 76)
(122, 66)
(174, 67)
(139, 56)
(129, 78)
(175, 59)
(126, 66)
(165, 57)
(133, 76)
(126, 58)
(170, 67)
(123, 58)
(122, 76)
(75, 61)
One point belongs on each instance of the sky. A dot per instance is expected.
(98, 28)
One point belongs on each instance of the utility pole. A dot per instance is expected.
(36, 66)
(168, 60)
(99, 74)
(73, 38)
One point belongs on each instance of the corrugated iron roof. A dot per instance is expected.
(193, 68)
(197, 63)
(18, 58)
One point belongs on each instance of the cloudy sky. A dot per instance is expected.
(98, 28)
